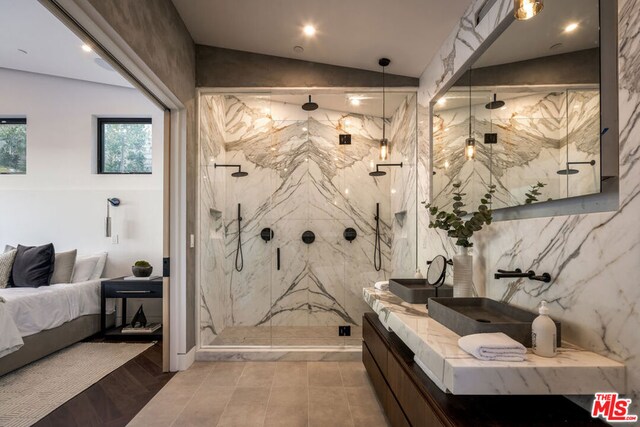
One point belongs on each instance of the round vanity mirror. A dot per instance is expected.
(437, 271)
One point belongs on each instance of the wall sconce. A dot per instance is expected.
(114, 201)
(384, 149)
(527, 9)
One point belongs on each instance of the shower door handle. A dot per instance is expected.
(278, 259)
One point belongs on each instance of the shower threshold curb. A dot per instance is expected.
(240, 354)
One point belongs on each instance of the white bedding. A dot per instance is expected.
(32, 310)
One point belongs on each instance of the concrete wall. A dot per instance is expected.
(61, 199)
(218, 67)
(156, 33)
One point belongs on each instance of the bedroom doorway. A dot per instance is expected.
(100, 91)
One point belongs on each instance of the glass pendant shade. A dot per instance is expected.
(470, 149)
(527, 9)
(384, 149)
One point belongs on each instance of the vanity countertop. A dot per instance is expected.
(435, 347)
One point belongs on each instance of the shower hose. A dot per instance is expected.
(239, 256)
(377, 247)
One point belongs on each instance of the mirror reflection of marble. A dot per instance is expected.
(545, 76)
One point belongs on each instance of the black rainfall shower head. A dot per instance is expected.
(567, 171)
(309, 106)
(238, 174)
(570, 171)
(495, 104)
(378, 172)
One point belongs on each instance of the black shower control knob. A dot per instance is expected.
(266, 234)
(350, 234)
(308, 237)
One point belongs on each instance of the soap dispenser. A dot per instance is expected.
(543, 333)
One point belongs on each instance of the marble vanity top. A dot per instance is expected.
(572, 371)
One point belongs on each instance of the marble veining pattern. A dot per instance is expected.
(572, 371)
(593, 258)
(299, 179)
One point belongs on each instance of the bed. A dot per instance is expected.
(35, 322)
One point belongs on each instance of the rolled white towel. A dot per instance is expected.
(495, 346)
(382, 285)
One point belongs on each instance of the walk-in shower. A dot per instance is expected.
(285, 262)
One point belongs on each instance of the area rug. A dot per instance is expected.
(32, 392)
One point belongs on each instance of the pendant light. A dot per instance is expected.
(527, 9)
(470, 143)
(384, 142)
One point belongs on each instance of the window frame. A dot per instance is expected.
(16, 121)
(101, 121)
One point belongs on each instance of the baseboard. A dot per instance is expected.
(184, 361)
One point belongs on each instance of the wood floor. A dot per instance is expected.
(117, 398)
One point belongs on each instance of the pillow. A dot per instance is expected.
(8, 248)
(63, 266)
(84, 269)
(102, 261)
(33, 266)
(6, 263)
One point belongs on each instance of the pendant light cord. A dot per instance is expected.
(383, 105)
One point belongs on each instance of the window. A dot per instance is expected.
(13, 146)
(124, 146)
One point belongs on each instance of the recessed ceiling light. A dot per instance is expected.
(86, 48)
(571, 27)
(309, 30)
(555, 46)
(442, 101)
(23, 51)
(355, 102)
(298, 49)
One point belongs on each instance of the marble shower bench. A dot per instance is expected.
(572, 372)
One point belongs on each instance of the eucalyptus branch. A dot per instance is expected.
(459, 224)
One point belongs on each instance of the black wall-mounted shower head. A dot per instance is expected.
(495, 104)
(238, 174)
(309, 106)
(571, 171)
(378, 172)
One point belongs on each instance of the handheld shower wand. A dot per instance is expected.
(377, 247)
(239, 257)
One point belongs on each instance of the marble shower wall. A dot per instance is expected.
(537, 134)
(299, 179)
(593, 259)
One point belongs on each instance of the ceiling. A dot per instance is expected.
(51, 48)
(350, 33)
(533, 38)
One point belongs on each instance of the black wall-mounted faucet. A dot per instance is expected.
(517, 273)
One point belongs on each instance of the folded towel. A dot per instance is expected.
(496, 346)
(382, 286)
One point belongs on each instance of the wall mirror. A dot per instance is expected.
(526, 114)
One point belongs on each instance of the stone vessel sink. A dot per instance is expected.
(417, 291)
(466, 316)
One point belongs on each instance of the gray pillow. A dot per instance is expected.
(6, 264)
(63, 266)
(8, 248)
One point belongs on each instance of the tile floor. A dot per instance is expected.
(283, 394)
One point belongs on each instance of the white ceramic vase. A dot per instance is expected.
(463, 273)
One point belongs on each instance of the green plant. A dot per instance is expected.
(532, 195)
(459, 224)
(142, 264)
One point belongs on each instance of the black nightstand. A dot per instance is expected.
(123, 289)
